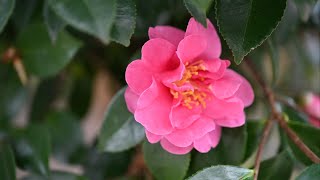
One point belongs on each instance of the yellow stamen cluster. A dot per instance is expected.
(195, 97)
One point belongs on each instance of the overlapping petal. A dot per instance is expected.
(171, 34)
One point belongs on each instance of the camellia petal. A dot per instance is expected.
(191, 47)
(185, 137)
(155, 117)
(181, 117)
(138, 77)
(215, 136)
(171, 34)
(158, 54)
(226, 113)
(174, 149)
(152, 138)
(213, 49)
(131, 99)
(203, 144)
(227, 85)
(148, 96)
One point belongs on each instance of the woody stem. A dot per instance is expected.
(279, 117)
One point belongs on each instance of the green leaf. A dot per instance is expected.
(57, 175)
(95, 17)
(32, 148)
(310, 136)
(254, 130)
(65, 133)
(23, 13)
(245, 24)
(40, 57)
(53, 22)
(6, 9)
(279, 167)
(274, 56)
(223, 172)
(102, 166)
(129, 135)
(224, 153)
(118, 126)
(125, 22)
(198, 9)
(7, 164)
(164, 165)
(310, 173)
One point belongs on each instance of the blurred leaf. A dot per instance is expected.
(57, 175)
(279, 167)
(294, 115)
(310, 173)
(32, 149)
(42, 58)
(6, 9)
(47, 91)
(223, 172)
(65, 133)
(125, 22)
(7, 164)
(128, 136)
(102, 166)
(254, 130)
(224, 153)
(23, 11)
(274, 56)
(198, 9)
(53, 22)
(94, 17)
(309, 135)
(245, 24)
(164, 165)
(13, 95)
(117, 116)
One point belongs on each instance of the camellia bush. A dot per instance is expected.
(159, 89)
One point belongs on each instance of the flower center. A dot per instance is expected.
(191, 97)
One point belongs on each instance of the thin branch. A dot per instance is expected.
(280, 119)
(265, 135)
(295, 107)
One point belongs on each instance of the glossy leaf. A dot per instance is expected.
(125, 22)
(245, 24)
(198, 9)
(310, 173)
(223, 172)
(254, 130)
(309, 135)
(6, 9)
(117, 116)
(224, 153)
(279, 167)
(57, 175)
(23, 13)
(65, 133)
(53, 22)
(7, 164)
(128, 136)
(93, 17)
(164, 165)
(40, 56)
(32, 148)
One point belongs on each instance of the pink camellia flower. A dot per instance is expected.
(312, 107)
(182, 92)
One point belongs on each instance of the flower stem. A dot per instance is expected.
(265, 135)
(279, 118)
